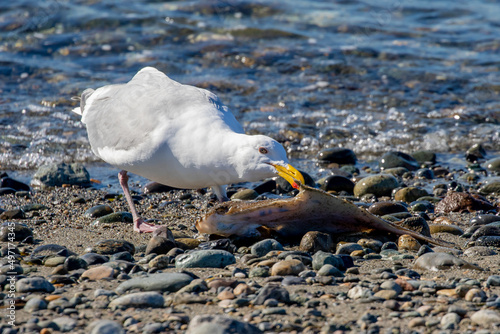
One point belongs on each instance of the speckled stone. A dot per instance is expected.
(408, 242)
(212, 258)
(314, 241)
(111, 246)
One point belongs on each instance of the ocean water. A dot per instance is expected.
(372, 76)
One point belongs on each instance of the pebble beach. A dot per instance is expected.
(78, 267)
(390, 105)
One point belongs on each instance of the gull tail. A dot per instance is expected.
(83, 98)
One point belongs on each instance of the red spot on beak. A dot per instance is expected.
(295, 185)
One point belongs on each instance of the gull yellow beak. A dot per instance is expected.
(290, 174)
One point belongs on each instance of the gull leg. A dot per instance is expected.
(139, 224)
(220, 192)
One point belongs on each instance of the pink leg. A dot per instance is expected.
(139, 224)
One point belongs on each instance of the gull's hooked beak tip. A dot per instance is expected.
(289, 173)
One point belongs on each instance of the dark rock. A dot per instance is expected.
(10, 231)
(98, 211)
(75, 263)
(486, 230)
(163, 231)
(476, 153)
(138, 300)
(338, 155)
(272, 291)
(111, 246)
(56, 175)
(424, 173)
(7, 191)
(93, 258)
(493, 165)
(398, 159)
(12, 214)
(314, 241)
(223, 244)
(338, 183)
(416, 224)
(123, 256)
(266, 187)
(386, 208)
(155, 187)
(424, 249)
(462, 201)
(7, 182)
(159, 245)
(424, 157)
(484, 219)
(488, 241)
(491, 187)
(321, 258)
(115, 217)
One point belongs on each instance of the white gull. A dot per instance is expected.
(177, 135)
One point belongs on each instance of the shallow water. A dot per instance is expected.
(370, 76)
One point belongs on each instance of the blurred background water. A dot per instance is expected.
(371, 76)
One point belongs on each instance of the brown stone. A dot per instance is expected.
(97, 273)
(408, 242)
(243, 288)
(462, 201)
(287, 267)
(314, 241)
(226, 294)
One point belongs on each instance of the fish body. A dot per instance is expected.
(311, 210)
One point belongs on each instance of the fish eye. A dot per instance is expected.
(263, 150)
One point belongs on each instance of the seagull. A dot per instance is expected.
(177, 135)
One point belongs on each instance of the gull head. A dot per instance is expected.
(263, 157)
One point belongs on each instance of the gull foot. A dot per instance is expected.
(142, 227)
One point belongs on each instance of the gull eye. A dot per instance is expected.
(263, 150)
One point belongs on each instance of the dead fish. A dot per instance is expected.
(311, 210)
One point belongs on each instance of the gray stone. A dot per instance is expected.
(263, 247)
(450, 321)
(338, 155)
(395, 159)
(493, 165)
(98, 211)
(347, 248)
(493, 280)
(94, 258)
(359, 292)
(486, 317)
(245, 195)
(329, 270)
(442, 261)
(321, 258)
(34, 284)
(272, 291)
(378, 185)
(55, 175)
(115, 217)
(105, 327)
(138, 300)
(479, 251)
(35, 304)
(212, 258)
(51, 249)
(219, 324)
(65, 324)
(171, 282)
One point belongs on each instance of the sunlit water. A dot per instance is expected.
(372, 76)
